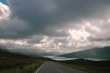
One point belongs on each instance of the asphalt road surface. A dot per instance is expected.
(53, 67)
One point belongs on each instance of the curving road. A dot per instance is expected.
(53, 67)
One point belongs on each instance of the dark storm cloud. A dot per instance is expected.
(59, 8)
(44, 13)
(10, 26)
(13, 27)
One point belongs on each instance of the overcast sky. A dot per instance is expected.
(54, 26)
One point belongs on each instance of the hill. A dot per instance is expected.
(95, 54)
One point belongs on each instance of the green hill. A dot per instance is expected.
(95, 54)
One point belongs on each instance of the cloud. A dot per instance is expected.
(87, 34)
(4, 11)
(44, 9)
(56, 26)
(50, 13)
(10, 26)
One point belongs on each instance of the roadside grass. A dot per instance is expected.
(29, 68)
(89, 66)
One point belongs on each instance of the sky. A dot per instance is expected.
(4, 1)
(54, 27)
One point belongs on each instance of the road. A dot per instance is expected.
(53, 67)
